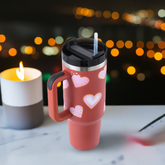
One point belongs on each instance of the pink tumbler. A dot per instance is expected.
(84, 87)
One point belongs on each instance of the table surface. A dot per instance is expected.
(49, 143)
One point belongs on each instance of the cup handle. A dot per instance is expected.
(53, 97)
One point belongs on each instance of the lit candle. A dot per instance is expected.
(22, 98)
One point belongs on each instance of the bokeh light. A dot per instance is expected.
(158, 56)
(161, 44)
(35, 55)
(108, 78)
(4, 53)
(78, 16)
(114, 52)
(59, 40)
(0, 47)
(106, 14)
(114, 73)
(86, 32)
(131, 70)
(161, 13)
(162, 70)
(150, 45)
(150, 53)
(47, 50)
(59, 84)
(12, 52)
(100, 39)
(56, 69)
(163, 54)
(141, 76)
(140, 44)
(162, 26)
(46, 76)
(128, 44)
(28, 50)
(139, 51)
(156, 39)
(2, 38)
(150, 13)
(38, 40)
(51, 41)
(98, 14)
(120, 44)
(115, 15)
(109, 43)
(158, 24)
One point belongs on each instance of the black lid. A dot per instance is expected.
(79, 52)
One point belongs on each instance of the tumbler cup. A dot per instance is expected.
(84, 87)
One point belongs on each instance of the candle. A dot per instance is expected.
(22, 98)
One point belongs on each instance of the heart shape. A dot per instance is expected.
(91, 101)
(77, 111)
(65, 84)
(79, 81)
(102, 73)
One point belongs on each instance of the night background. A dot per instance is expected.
(134, 32)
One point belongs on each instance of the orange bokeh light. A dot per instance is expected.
(114, 52)
(98, 14)
(2, 38)
(128, 44)
(158, 24)
(150, 45)
(106, 14)
(109, 43)
(161, 44)
(38, 40)
(140, 44)
(163, 54)
(51, 41)
(0, 47)
(162, 26)
(150, 53)
(115, 15)
(12, 52)
(158, 56)
(120, 44)
(139, 51)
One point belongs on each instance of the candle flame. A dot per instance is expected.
(20, 71)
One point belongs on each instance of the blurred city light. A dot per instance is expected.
(114, 73)
(120, 44)
(163, 53)
(150, 45)
(2, 38)
(140, 44)
(115, 15)
(131, 70)
(161, 13)
(47, 50)
(158, 24)
(56, 69)
(139, 51)
(38, 40)
(87, 32)
(59, 84)
(150, 13)
(98, 14)
(51, 41)
(143, 13)
(158, 56)
(28, 50)
(46, 76)
(0, 47)
(162, 70)
(109, 43)
(162, 26)
(59, 40)
(12, 52)
(161, 44)
(150, 53)
(114, 52)
(156, 39)
(128, 44)
(141, 76)
(106, 14)
(35, 55)
(108, 78)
